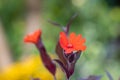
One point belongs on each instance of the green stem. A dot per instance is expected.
(67, 78)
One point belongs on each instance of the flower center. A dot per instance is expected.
(69, 45)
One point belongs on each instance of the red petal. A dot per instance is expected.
(72, 38)
(80, 47)
(77, 39)
(63, 40)
(83, 40)
(83, 48)
(33, 37)
(37, 33)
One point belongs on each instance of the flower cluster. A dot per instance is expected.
(73, 43)
(68, 49)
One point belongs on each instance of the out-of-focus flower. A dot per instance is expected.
(28, 69)
(34, 37)
(73, 43)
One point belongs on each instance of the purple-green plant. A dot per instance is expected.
(68, 49)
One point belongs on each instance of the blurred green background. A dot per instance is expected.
(98, 21)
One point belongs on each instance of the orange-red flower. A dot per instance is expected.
(34, 37)
(72, 43)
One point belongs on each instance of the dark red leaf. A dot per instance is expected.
(65, 70)
(77, 56)
(72, 59)
(69, 70)
(60, 54)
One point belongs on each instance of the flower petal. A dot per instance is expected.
(83, 48)
(34, 37)
(83, 40)
(78, 37)
(72, 38)
(77, 40)
(63, 40)
(80, 47)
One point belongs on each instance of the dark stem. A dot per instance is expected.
(46, 58)
(68, 78)
(55, 78)
(69, 23)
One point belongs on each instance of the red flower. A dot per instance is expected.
(34, 37)
(73, 43)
